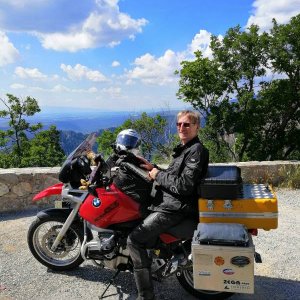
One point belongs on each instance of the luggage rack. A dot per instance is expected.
(261, 191)
(221, 182)
(257, 208)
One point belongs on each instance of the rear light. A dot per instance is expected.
(253, 231)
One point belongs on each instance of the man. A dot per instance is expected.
(178, 186)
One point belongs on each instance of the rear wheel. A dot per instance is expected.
(41, 236)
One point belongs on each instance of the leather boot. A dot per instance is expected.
(144, 284)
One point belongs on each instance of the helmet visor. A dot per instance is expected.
(128, 141)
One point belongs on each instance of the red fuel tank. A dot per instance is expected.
(110, 207)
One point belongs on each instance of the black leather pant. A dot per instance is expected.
(144, 237)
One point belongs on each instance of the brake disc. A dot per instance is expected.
(63, 248)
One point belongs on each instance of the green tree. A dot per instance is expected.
(43, 150)
(108, 137)
(244, 111)
(278, 135)
(163, 154)
(24, 144)
(152, 131)
(16, 110)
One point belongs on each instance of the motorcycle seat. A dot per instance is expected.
(184, 230)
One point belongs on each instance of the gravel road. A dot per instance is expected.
(22, 277)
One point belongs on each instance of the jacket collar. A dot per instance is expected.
(179, 148)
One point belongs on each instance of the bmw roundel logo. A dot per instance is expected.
(96, 202)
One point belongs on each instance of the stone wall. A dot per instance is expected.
(18, 186)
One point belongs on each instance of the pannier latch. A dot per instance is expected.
(210, 204)
(228, 204)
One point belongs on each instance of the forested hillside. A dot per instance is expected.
(69, 140)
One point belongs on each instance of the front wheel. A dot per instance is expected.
(41, 236)
(185, 278)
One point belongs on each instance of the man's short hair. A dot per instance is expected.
(194, 116)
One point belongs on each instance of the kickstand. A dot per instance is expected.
(110, 283)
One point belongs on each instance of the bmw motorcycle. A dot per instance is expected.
(93, 224)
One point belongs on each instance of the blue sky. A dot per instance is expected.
(114, 55)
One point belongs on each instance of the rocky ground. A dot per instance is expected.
(23, 278)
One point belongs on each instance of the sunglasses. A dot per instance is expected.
(186, 125)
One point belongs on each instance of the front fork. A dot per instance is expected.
(66, 226)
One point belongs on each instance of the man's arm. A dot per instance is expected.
(184, 183)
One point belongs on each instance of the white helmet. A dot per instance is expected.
(128, 139)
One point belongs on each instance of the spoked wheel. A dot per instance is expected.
(186, 280)
(41, 236)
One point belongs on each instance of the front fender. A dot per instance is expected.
(49, 191)
(61, 213)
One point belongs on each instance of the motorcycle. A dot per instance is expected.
(93, 224)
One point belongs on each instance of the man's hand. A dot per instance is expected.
(145, 163)
(153, 173)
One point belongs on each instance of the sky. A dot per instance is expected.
(115, 55)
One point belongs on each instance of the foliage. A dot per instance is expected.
(277, 133)
(108, 137)
(163, 154)
(155, 144)
(151, 130)
(16, 111)
(201, 83)
(248, 117)
(43, 150)
(23, 144)
(290, 177)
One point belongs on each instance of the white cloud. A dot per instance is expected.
(71, 42)
(201, 42)
(27, 73)
(44, 16)
(265, 11)
(79, 72)
(17, 86)
(93, 90)
(64, 26)
(8, 53)
(115, 63)
(59, 88)
(112, 92)
(153, 70)
(84, 24)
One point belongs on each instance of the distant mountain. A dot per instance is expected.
(69, 140)
(81, 121)
(74, 130)
(75, 124)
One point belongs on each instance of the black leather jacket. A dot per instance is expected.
(178, 183)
